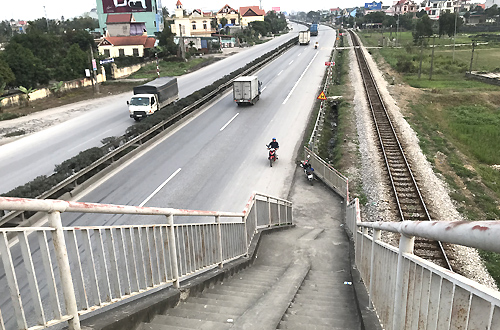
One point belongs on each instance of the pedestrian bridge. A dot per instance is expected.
(131, 277)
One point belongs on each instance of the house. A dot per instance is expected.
(434, 8)
(405, 6)
(112, 47)
(251, 14)
(231, 14)
(124, 25)
(197, 24)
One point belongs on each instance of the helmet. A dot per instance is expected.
(308, 156)
(274, 139)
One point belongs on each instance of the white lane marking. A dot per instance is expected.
(290, 62)
(263, 89)
(229, 122)
(95, 137)
(302, 75)
(159, 188)
(299, 54)
(280, 72)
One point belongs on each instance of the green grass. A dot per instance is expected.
(169, 69)
(8, 116)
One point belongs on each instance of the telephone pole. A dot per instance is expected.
(94, 70)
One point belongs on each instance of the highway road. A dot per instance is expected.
(37, 154)
(217, 159)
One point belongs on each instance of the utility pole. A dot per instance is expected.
(157, 66)
(472, 56)
(94, 70)
(181, 43)
(421, 53)
(432, 58)
(455, 35)
(46, 20)
(397, 31)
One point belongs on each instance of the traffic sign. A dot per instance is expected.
(94, 64)
(106, 61)
(322, 96)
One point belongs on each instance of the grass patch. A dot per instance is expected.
(15, 133)
(170, 69)
(9, 115)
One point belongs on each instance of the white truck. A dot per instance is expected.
(246, 89)
(152, 97)
(304, 37)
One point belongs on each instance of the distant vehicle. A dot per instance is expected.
(304, 37)
(152, 97)
(314, 29)
(246, 89)
(272, 156)
(316, 45)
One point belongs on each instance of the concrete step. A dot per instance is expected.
(185, 323)
(210, 308)
(198, 315)
(332, 322)
(304, 296)
(300, 326)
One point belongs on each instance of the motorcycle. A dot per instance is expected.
(316, 45)
(308, 171)
(272, 156)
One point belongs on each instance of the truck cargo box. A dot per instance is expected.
(165, 88)
(304, 37)
(246, 89)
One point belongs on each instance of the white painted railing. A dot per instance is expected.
(329, 175)
(99, 265)
(409, 292)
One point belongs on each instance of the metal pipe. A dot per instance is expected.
(64, 270)
(173, 251)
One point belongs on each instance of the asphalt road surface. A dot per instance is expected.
(24, 159)
(215, 160)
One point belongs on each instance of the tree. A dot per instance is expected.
(5, 31)
(447, 24)
(223, 22)
(493, 11)
(27, 92)
(277, 22)
(28, 69)
(74, 64)
(423, 28)
(7, 77)
(166, 42)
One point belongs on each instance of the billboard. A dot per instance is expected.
(276, 9)
(126, 6)
(374, 5)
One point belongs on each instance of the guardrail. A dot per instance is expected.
(328, 174)
(409, 292)
(137, 143)
(100, 265)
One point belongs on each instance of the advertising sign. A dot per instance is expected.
(276, 9)
(126, 6)
(374, 5)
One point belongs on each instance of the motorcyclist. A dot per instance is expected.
(274, 144)
(306, 165)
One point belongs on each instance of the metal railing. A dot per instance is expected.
(99, 265)
(328, 174)
(409, 292)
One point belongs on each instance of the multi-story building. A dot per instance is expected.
(251, 14)
(147, 11)
(197, 24)
(434, 8)
(231, 14)
(405, 6)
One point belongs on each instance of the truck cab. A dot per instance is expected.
(142, 105)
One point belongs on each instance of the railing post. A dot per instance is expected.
(405, 246)
(219, 239)
(246, 235)
(269, 210)
(64, 270)
(173, 250)
(256, 217)
(377, 235)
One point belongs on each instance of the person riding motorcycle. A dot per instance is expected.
(274, 144)
(306, 165)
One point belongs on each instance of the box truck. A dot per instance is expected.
(304, 37)
(246, 89)
(314, 29)
(152, 97)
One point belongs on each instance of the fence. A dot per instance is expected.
(409, 292)
(98, 266)
(329, 175)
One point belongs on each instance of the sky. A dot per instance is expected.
(33, 9)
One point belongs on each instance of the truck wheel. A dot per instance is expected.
(137, 119)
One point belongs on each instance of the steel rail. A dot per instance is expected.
(367, 77)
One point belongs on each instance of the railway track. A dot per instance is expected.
(408, 199)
